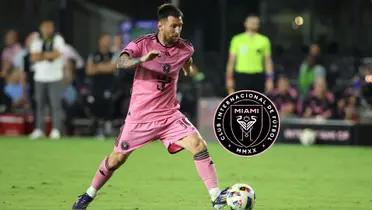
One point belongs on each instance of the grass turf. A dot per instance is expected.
(50, 175)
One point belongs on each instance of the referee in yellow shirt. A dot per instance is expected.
(249, 65)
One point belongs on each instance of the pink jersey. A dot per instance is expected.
(155, 82)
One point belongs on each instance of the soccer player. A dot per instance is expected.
(154, 110)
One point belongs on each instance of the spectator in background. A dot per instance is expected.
(117, 45)
(249, 65)
(72, 101)
(12, 47)
(5, 102)
(70, 54)
(347, 105)
(310, 70)
(15, 89)
(22, 62)
(284, 97)
(319, 102)
(100, 68)
(314, 50)
(46, 55)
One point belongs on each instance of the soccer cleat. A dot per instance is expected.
(83, 202)
(220, 201)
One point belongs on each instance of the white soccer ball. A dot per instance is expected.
(241, 197)
(308, 137)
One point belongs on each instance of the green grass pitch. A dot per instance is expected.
(49, 175)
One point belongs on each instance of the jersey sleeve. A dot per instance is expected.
(233, 46)
(59, 43)
(267, 47)
(132, 49)
(35, 46)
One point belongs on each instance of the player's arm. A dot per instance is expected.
(127, 62)
(188, 68)
(230, 83)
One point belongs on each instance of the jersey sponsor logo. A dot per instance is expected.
(246, 123)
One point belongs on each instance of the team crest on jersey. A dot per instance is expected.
(246, 123)
(124, 145)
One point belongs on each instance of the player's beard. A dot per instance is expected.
(173, 39)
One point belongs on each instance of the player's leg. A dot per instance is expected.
(105, 171)
(103, 174)
(181, 134)
(205, 166)
(131, 137)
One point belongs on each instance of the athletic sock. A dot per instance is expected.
(207, 172)
(102, 175)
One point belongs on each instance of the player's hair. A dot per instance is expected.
(166, 10)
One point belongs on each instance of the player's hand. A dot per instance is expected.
(189, 70)
(150, 56)
(186, 71)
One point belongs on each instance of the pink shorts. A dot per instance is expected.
(135, 135)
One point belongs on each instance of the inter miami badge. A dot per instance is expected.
(246, 123)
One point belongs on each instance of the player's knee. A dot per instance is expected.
(198, 145)
(116, 160)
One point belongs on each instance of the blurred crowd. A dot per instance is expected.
(315, 94)
(45, 76)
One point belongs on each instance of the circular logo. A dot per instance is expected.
(246, 123)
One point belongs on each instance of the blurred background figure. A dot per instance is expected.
(73, 83)
(117, 45)
(249, 64)
(15, 89)
(347, 105)
(46, 55)
(284, 97)
(310, 70)
(100, 69)
(12, 48)
(314, 50)
(22, 63)
(319, 102)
